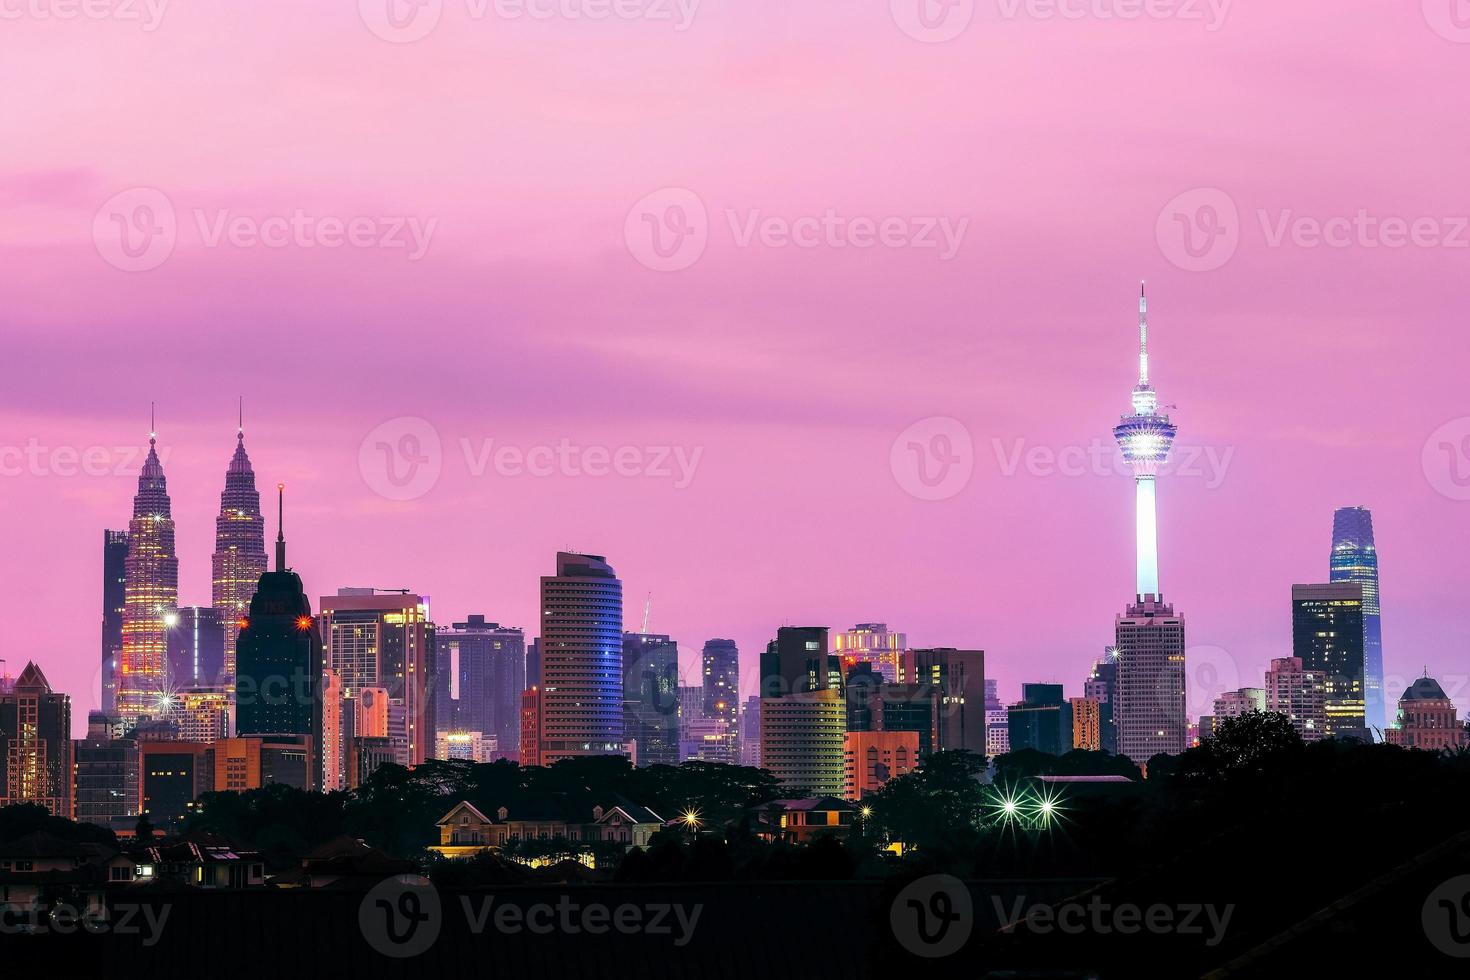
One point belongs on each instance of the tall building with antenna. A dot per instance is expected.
(1355, 559)
(239, 548)
(150, 594)
(1149, 704)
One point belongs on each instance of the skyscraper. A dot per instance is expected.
(151, 593)
(1327, 634)
(114, 600)
(750, 731)
(720, 662)
(278, 686)
(36, 746)
(1042, 720)
(106, 775)
(958, 678)
(651, 716)
(481, 677)
(802, 739)
(1355, 559)
(1149, 704)
(581, 659)
(874, 643)
(795, 661)
(384, 640)
(239, 549)
(1099, 686)
(196, 646)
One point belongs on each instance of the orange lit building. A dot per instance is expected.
(531, 727)
(1087, 724)
(870, 759)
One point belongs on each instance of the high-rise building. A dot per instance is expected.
(106, 775)
(239, 551)
(256, 762)
(1233, 704)
(279, 655)
(1327, 634)
(36, 746)
(1299, 694)
(750, 732)
(533, 663)
(802, 737)
(334, 736)
(875, 644)
(151, 593)
(581, 659)
(478, 686)
(997, 732)
(1041, 720)
(871, 759)
(721, 667)
(1099, 686)
(114, 600)
(1086, 724)
(384, 640)
(531, 727)
(1148, 704)
(1427, 719)
(651, 697)
(201, 714)
(958, 678)
(1355, 559)
(795, 662)
(174, 775)
(1148, 707)
(196, 647)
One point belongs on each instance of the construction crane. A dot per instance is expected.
(647, 608)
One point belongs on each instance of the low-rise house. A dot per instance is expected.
(466, 830)
(801, 821)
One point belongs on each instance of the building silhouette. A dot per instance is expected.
(651, 703)
(114, 599)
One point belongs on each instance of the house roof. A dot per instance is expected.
(813, 803)
(463, 805)
(631, 810)
(1424, 689)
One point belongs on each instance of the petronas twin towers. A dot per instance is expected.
(151, 579)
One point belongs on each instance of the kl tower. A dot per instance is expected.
(1145, 438)
(1149, 709)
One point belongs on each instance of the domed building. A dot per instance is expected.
(1427, 719)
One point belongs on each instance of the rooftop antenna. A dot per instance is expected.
(280, 527)
(647, 606)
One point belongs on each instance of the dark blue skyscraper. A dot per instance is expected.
(1355, 559)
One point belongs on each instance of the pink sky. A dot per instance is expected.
(1321, 371)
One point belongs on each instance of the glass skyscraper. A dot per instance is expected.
(581, 659)
(1355, 559)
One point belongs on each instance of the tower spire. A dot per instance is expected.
(280, 527)
(240, 432)
(1142, 335)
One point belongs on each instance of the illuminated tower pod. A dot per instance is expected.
(1145, 438)
(239, 550)
(151, 593)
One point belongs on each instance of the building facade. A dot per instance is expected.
(196, 647)
(114, 601)
(482, 674)
(1041, 720)
(1327, 634)
(802, 738)
(1299, 694)
(1427, 719)
(1148, 705)
(871, 759)
(36, 761)
(720, 666)
(651, 703)
(872, 643)
(107, 786)
(581, 659)
(239, 553)
(151, 593)
(958, 680)
(1355, 559)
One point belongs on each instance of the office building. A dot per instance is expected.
(1086, 724)
(750, 732)
(1299, 694)
(36, 746)
(201, 714)
(174, 775)
(871, 759)
(1427, 719)
(720, 663)
(581, 659)
(1355, 559)
(1148, 703)
(958, 679)
(531, 727)
(997, 732)
(482, 672)
(239, 554)
(107, 775)
(150, 594)
(796, 662)
(1327, 634)
(114, 601)
(802, 737)
(196, 647)
(651, 697)
(1041, 720)
(872, 643)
